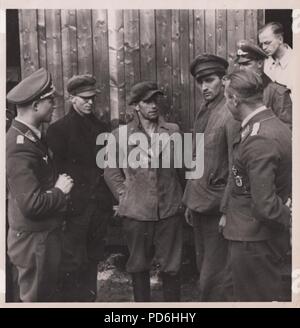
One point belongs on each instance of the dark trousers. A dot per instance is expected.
(255, 272)
(211, 254)
(160, 241)
(36, 255)
(83, 248)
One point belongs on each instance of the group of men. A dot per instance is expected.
(60, 200)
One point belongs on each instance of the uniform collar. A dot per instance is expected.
(36, 131)
(251, 115)
(286, 58)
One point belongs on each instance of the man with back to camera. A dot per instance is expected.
(258, 217)
(203, 196)
(36, 200)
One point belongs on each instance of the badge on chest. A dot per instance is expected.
(237, 178)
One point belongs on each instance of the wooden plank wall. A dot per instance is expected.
(122, 47)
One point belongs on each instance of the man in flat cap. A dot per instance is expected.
(202, 196)
(276, 96)
(72, 140)
(258, 217)
(149, 197)
(37, 199)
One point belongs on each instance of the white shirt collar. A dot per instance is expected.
(286, 58)
(31, 127)
(248, 118)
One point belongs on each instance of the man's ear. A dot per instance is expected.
(35, 105)
(72, 99)
(236, 100)
(137, 107)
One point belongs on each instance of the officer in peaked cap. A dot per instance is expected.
(276, 96)
(37, 199)
(72, 140)
(202, 196)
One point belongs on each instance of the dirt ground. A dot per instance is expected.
(114, 283)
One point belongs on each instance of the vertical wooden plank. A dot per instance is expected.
(131, 51)
(69, 49)
(116, 66)
(147, 44)
(54, 56)
(176, 88)
(260, 18)
(84, 41)
(221, 35)
(235, 32)
(101, 62)
(191, 79)
(199, 48)
(251, 25)
(41, 30)
(210, 31)
(184, 68)
(164, 56)
(28, 41)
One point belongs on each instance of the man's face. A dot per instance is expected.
(253, 65)
(269, 41)
(210, 86)
(149, 109)
(45, 109)
(83, 105)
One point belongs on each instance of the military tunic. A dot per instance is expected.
(35, 214)
(257, 219)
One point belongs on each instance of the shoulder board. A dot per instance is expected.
(280, 88)
(255, 129)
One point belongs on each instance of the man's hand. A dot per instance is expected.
(65, 183)
(188, 217)
(289, 205)
(222, 223)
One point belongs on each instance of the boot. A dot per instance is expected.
(171, 287)
(141, 286)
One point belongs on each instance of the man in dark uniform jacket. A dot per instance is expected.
(73, 142)
(275, 96)
(257, 216)
(36, 200)
(203, 196)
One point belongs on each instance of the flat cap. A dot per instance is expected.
(82, 85)
(143, 91)
(38, 85)
(247, 50)
(207, 64)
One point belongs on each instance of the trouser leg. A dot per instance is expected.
(211, 253)
(141, 286)
(171, 287)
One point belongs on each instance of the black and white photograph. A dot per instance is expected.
(149, 155)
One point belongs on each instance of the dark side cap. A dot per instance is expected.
(207, 64)
(247, 50)
(36, 86)
(82, 85)
(143, 91)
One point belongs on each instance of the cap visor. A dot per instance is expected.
(151, 93)
(88, 93)
(241, 60)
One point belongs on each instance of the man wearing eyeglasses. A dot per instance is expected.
(73, 142)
